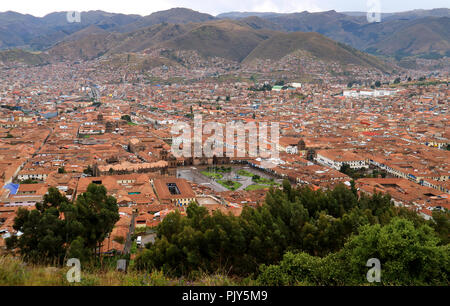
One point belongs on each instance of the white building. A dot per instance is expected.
(336, 158)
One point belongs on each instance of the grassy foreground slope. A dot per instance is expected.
(14, 272)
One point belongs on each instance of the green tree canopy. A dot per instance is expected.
(57, 226)
(409, 255)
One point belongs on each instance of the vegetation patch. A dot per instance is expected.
(229, 184)
(243, 172)
(214, 175)
(256, 187)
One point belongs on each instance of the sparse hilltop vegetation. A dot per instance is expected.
(315, 44)
(23, 57)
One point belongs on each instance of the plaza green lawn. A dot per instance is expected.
(256, 187)
(217, 176)
(265, 181)
(231, 185)
(243, 172)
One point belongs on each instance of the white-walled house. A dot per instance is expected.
(336, 158)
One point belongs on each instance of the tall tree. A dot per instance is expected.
(97, 213)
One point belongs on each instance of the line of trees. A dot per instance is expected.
(58, 229)
(315, 226)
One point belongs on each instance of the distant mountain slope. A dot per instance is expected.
(408, 15)
(90, 30)
(102, 19)
(149, 37)
(95, 44)
(86, 48)
(429, 37)
(258, 23)
(19, 56)
(419, 33)
(416, 14)
(227, 39)
(174, 16)
(239, 15)
(317, 45)
(395, 35)
(19, 30)
(236, 40)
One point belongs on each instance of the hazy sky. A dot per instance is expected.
(214, 7)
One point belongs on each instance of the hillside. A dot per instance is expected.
(174, 16)
(93, 42)
(235, 40)
(414, 33)
(227, 39)
(317, 45)
(86, 48)
(423, 38)
(9, 57)
(258, 23)
(394, 36)
(19, 30)
(14, 272)
(90, 30)
(149, 37)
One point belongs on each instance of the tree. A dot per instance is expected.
(441, 224)
(397, 81)
(61, 170)
(98, 213)
(127, 118)
(78, 250)
(43, 236)
(57, 228)
(89, 171)
(53, 199)
(353, 187)
(317, 224)
(256, 177)
(345, 168)
(199, 241)
(409, 255)
(28, 181)
(377, 84)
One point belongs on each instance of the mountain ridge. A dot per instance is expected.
(419, 33)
